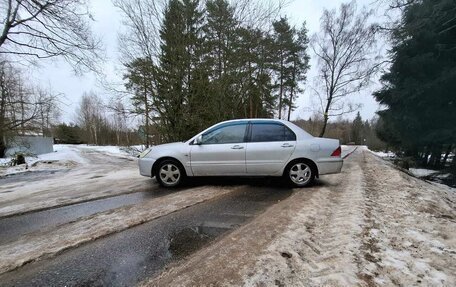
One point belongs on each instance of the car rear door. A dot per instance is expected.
(269, 147)
(221, 152)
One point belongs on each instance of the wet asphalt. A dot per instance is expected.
(131, 256)
(12, 228)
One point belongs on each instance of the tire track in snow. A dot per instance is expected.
(325, 247)
(409, 231)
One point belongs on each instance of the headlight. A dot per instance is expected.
(145, 152)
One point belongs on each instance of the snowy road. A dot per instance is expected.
(370, 225)
(131, 256)
(81, 174)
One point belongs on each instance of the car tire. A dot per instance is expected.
(300, 174)
(170, 173)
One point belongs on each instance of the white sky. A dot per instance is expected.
(61, 79)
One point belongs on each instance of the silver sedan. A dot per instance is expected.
(245, 147)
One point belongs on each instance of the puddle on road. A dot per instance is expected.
(186, 241)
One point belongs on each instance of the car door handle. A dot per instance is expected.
(237, 147)
(287, 145)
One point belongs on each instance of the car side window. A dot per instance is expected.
(234, 133)
(267, 132)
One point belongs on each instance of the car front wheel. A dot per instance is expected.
(300, 174)
(170, 173)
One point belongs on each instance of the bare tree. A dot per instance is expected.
(346, 52)
(141, 37)
(23, 108)
(119, 122)
(91, 117)
(49, 28)
(48, 110)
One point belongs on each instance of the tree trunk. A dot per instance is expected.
(326, 115)
(425, 157)
(445, 158)
(291, 102)
(436, 155)
(323, 129)
(146, 115)
(453, 165)
(292, 91)
(2, 146)
(281, 88)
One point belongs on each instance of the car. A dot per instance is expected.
(244, 147)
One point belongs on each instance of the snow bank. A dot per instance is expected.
(64, 157)
(422, 172)
(382, 154)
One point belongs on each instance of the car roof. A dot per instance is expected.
(301, 134)
(256, 120)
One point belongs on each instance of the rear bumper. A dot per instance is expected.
(329, 166)
(145, 166)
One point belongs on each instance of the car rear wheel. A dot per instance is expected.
(170, 173)
(300, 174)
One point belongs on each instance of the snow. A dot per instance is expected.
(443, 176)
(64, 157)
(422, 172)
(383, 154)
(72, 173)
(61, 152)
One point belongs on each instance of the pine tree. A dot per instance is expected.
(299, 66)
(221, 59)
(356, 134)
(290, 64)
(417, 91)
(178, 75)
(139, 76)
(283, 35)
(254, 96)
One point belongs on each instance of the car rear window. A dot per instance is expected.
(270, 132)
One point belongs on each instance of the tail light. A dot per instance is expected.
(337, 152)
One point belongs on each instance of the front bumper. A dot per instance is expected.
(145, 166)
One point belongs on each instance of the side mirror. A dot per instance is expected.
(198, 140)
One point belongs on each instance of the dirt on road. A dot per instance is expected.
(370, 225)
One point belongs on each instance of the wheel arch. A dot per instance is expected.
(161, 159)
(311, 163)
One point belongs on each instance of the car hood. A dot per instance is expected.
(168, 148)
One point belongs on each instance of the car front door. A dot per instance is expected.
(221, 151)
(269, 148)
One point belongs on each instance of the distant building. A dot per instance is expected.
(29, 144)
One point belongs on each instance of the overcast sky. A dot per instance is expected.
(61, 79)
